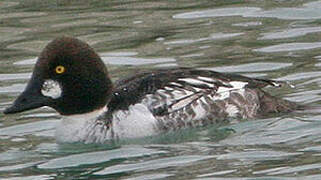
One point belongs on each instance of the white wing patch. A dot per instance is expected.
(176, 96)
(206, 79)
(224, 92)
(51, 88)
(191, 80)
(190, 101)
(197, 81)
(193, 98)
(176, 84)
(238, 84)
(168, 88)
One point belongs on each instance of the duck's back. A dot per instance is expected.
(184, 97)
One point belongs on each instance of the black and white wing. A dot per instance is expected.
(189, 94)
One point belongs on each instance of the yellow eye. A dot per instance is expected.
(60, 69)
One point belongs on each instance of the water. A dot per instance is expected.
(269, 39)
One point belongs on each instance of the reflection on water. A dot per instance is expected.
(211, 37)
(306, 12)
(270, 39)
(153, 165)
(96, 157)
(290, 33)
(289, 47)
(251, 67)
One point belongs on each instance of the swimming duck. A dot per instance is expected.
(71, 78)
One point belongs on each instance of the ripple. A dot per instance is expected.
(280, 131)
(300, 76)
(97, 157)
(219, 173)
(28, 128)
(119, 54)
(47, 133)
(290, 13)
(289, 33)
(47, 148)
(251, 67)
(211, 37)
(311, 149)
(289, 47)
(257, 155)
(297, 169)
(153, 164)
(248, 24)
(122, 60)
(114, 58)
(151, 176)
(306, 96)
(19, 166)
(266, 171)
(5, 4)
(310, 177)
(193, 55)
(241, 11)
(15, 154)
(307, 12)
(13, 34)
(166, 65)
(13, 88)
(317, 57)
(160, 39)
(39, 177)
(75, 23)
(26, 62)
(18, 139)
(22, 15)
(15, 76)
(34, 46)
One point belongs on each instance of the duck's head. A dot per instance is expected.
(69, 76)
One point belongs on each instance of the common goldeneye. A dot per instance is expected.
(71, 78)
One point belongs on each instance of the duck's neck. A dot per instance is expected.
(82, 128)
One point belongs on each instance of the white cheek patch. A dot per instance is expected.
(51, 88)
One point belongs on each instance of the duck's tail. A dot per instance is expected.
(271, 104)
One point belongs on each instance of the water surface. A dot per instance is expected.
(268, 39)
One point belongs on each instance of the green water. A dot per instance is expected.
(271, 39)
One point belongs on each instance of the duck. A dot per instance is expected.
(70, 77)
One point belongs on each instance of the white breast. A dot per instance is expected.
(138, 121)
